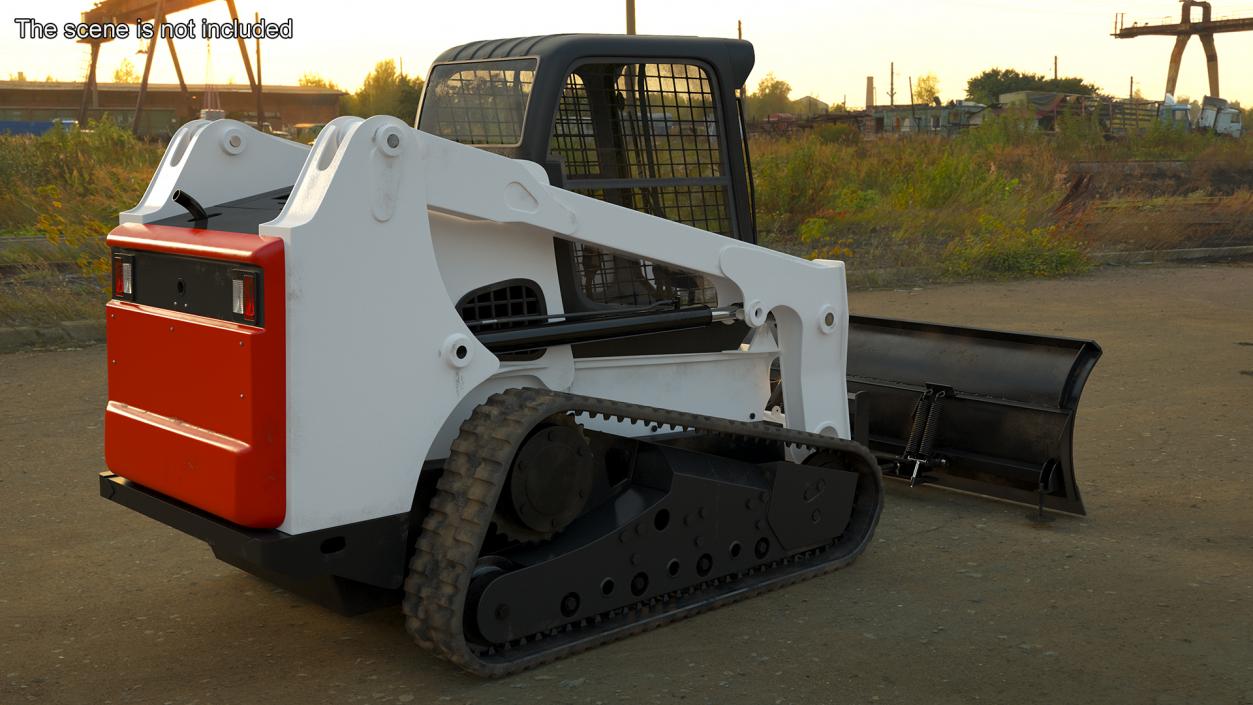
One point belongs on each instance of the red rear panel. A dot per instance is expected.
(197, 404)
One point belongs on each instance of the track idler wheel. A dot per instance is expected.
(549, 483)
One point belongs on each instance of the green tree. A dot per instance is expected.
(988, 86)
(386, 91)
(309, 79)
(125, 73)
(771, 96)
(926, 88)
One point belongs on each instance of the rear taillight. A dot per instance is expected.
(244, 295)
(194, 286)
(123, 277)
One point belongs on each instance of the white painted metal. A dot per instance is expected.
(377, 357)
(796, 293)
(216, 162)
(732, 385)
(387, 227)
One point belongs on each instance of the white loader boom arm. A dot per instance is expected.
(378, 359)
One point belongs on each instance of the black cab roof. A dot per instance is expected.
(732, 59)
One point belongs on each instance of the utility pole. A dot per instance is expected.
(1055, 67)
(913, 113)
(260, 113)
(630, 9)
(892, 85)
(1131, 89)
(739, 34)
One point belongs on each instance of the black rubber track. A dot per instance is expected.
(452, 533)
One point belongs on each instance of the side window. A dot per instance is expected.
(481, 103)
(645, 137)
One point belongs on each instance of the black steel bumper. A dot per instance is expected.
(350, 568)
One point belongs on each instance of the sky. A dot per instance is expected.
(824, 49)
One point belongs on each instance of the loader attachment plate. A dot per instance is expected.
(1004, 407)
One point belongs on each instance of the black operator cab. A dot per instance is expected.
(647, 123)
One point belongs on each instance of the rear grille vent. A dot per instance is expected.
(507, 304)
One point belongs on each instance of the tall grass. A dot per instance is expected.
(981, 204)
(979, 201)
(68, 187)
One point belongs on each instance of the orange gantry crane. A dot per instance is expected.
(155, 11)
(1183, 31)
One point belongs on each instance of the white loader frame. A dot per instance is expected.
(387, 227)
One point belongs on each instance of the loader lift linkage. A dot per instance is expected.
(514, 367)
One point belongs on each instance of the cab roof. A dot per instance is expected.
(732, 59)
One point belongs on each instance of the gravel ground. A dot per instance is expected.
(959, 600)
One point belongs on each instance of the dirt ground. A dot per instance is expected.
(959, 600)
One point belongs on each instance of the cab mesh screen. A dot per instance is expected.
(645, 137)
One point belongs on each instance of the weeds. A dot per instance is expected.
(891, 203)
(39, 295)
(1000, 249)
(69, 185)
(66, 186)
(981, 204)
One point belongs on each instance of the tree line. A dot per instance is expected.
(773, 95)
(387, 90)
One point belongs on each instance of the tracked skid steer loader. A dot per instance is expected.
(524, 368)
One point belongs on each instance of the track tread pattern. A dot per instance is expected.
(448, 546)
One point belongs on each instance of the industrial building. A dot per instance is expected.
(166, 106)
(948, 118)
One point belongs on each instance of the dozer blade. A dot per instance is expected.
(982, 411)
